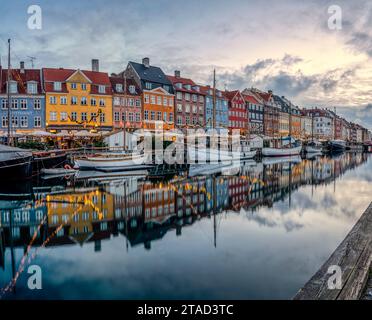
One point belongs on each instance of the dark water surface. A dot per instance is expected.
(259, 234)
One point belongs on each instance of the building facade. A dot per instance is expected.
(189, 106)
(238, 114)
(77, 99)
(255, 113)
(158, 94)
(27, 100)
(127, 104)
(323, 123)
(222, 109)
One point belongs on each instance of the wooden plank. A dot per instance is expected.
(353, 256)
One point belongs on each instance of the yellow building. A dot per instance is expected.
(77, 100)
(283, 124)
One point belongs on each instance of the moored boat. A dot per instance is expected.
(15, 163)
(336, 145)
(281, 152)
(48, 160)
(314, 147)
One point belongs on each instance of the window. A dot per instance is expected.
(165, 117)
(179, 120)
(132, 89)
(153, 99)
(83, 116)
(31, 87)
(116, 116)
(131, 102)
(187, 96)
(147, 98)
(159, 101)
(194, 109)
(101, 89)
(124, 116)
(148, 86)
(101, 102)
(64, 116)
(23, 104)
(93, 102)
(201, 99)
(152, 115)
(84, 86)
(179, 107)
(138, 102)
(119, 87)
(131, 117)
(53, 116)
(166, 88)
(74, 100)
(4, 121)
(138, 116)
(93, 116)
(102, 117)
(73, 116)
(171, 117)
(57, 86)
(15, 121)
(84, 101)
(116, 101)
(63, 100)
(37, 122)
(194, 98)
(24, 121)
(146, 115)
(159, 116)
(4, 104)
(179, 95)
(187, 120)
(165, 102)
(187, 108)
(14, 104)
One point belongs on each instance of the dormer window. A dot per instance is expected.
(31, 87)
(132, 89)
(188, 87)
(179, 85)
(57, 86)
(101, 89)
(148, 85)
(13, 87)
(119, 87)
(197, 88)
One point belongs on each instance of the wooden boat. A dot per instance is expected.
(112, 163)
(281, 152)
(48, 160)
(15, 163)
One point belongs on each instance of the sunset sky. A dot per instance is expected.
(285, 46)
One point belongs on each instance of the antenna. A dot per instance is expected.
(32, 59)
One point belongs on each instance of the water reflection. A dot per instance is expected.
(82, 213)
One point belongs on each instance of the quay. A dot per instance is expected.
(353, 256)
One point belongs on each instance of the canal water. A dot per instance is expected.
(258, 234)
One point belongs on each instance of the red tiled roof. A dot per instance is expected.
(51, 75)
(21, 78)
(265, 96)
(251, 99)
(230, 94)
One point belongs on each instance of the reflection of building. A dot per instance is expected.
(238, 192)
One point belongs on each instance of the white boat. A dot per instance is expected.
(112, 163)
(314, 147)
(281, 152)
(248, 155)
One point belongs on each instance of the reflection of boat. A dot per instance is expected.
(281, 152)
(96, 175)
(15, 163)
(207, 169)
(112, 163)
(272, 161)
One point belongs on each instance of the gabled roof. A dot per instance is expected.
(51, 75)
(121, 80)
(250, 98)
(184, 81)
(21, 78)
(150, 74)
(231, 94)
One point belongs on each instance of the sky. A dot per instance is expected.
(280, 45)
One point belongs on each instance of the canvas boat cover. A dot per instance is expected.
(11, 153)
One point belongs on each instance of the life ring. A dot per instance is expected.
(67, 167)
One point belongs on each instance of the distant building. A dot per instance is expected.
(323, 123)
(189, 102)
(27, 100)
(306, 126)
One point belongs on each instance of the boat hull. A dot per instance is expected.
(310, 149)
(16, 169)
(48, 162)
(248, 155)
(110, 164)
(285, 152)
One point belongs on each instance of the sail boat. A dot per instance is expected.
(287, 150)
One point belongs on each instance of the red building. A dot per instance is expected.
(127, 103)
(189, 102)
(238, 113)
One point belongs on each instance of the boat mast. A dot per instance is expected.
(312, 126)
(214, 99)
(9, 97)
(290, 126)
(334, 125)
(125, 110)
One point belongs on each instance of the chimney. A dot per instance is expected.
(177, 74)
(95, 65)
(22, 67)
(146, 62)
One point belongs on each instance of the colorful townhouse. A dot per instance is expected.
(306, 126)
(323, 123)
(238, 114)
(27, 100)
(157, 94)
(77, 99)
(127, 104)
(255, 111)
(222, 109)
(189, 102)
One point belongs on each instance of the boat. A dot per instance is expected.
(281, 152)
(15, 163)
(112, 163)
(314, 147)
(58, 171)
(337, 145)
(48, 160)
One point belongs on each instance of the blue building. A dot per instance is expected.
(27, 100)
(222, 109)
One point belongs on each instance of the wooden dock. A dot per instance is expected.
(353, 256)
